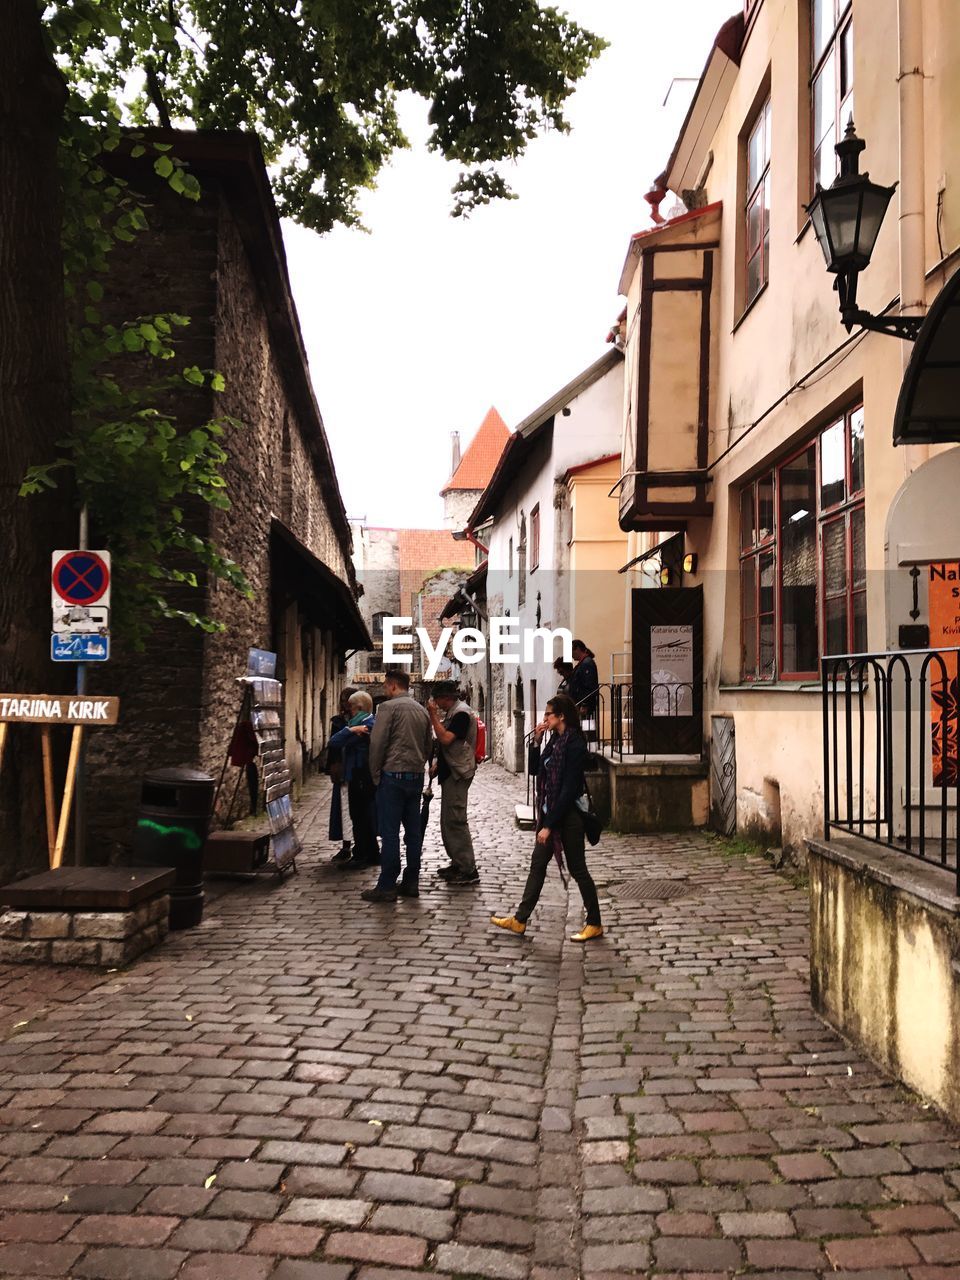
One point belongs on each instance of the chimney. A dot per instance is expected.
(455, 450)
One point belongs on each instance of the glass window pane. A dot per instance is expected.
(749, 622)
(860, 622)
(767, 133)
(748, 588)
(765, 271)
(822, 13)
(833, 465)
(765, 507)
(858, 525)
(835, 640)
(754, 225)
(846, 65)
(754, 277)
(835, 559)
(856, 451)
(798, 562)
(746, 517)
(765, 666)
(824, 101)
(767, 583)
(754, 157)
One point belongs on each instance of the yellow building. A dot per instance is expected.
(754, 424)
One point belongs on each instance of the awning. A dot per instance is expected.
(297, 575)
(928, 410)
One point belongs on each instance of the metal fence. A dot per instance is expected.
(890, 752)
(609, 730)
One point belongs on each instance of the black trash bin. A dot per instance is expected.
(172, 823)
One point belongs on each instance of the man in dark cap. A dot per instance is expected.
(455, 728)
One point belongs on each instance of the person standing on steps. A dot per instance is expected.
(455, 728)
(400, 744)
(560, 784)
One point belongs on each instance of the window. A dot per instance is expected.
(378, 625)
(803, 557)
(510, 559)
(534, 537)
(757, 209)
(831, 82)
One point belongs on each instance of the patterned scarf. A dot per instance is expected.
(551, 773)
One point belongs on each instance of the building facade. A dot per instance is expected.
(754, 426)
(220, 261)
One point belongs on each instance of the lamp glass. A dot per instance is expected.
(665, 576)
(690, 562)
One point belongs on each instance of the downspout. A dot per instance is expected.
(913, 299)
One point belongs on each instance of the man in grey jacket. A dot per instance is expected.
(455, 727)
(400, 745)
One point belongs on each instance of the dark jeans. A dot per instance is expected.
(398, 801)
(571, 833)
(363, 815)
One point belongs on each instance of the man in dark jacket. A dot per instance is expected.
(584, 682)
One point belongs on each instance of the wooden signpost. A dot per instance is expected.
(46, 710)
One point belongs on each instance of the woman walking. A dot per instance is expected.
(559, 822)
(353, 741)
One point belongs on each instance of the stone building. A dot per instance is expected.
(221, 262)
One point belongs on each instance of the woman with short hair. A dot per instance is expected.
(560, 784)
(353, 740)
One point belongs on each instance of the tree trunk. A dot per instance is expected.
(34, 406)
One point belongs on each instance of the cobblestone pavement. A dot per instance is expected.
(311, 1088)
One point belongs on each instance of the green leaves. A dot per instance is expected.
(318, 81)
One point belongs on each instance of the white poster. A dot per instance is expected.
(671, 671)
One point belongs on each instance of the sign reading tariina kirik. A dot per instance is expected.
(52, 708)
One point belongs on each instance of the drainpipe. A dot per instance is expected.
(913, 301)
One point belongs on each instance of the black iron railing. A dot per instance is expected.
(608, 717)
(890, 751)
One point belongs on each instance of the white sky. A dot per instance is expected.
(415, 329)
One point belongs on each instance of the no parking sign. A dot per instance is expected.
(80, 595)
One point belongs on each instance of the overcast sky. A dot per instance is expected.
(416, 328)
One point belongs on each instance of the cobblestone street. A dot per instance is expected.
(310, 1088)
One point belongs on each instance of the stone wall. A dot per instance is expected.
(90, 938)
(180, 699)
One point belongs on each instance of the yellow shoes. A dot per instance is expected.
(587, 932)
(509, 922)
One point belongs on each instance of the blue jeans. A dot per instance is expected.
(398, 800)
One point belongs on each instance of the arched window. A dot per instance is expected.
(377, 624)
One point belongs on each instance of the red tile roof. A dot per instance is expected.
(429, 549)
(483, 453)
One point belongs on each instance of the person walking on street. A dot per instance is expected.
(353, 742)
(455, 728)
(560, 784)
(400, 745)
(564, 670)
(339, 825)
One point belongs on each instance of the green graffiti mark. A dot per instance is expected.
(189, 838)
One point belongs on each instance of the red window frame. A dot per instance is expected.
(835, 60)
(756, 241)
(535, 537)
(757, 550)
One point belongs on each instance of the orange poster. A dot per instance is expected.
(944, 634)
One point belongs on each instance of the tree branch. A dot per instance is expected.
(155, 94)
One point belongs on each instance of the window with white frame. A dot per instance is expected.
(757, 205)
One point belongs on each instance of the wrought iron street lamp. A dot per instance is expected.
(846, 218)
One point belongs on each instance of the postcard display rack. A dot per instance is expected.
(260, 713)
(264, 698)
